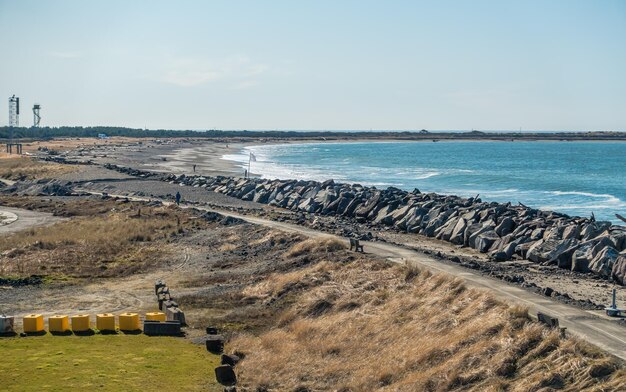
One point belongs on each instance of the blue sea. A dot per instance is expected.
(576, 178)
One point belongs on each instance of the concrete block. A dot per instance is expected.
(230, 359)
(164, 297)
(225, 375)
(105, 322)
(169, 304)
(161, 328)
(81, 323)
(59, 323)
(129, 322)
(155, 316)
(163, 290)
(33, 323)
(175, 314)
(215, 344)
(7, 324)
(159, 283)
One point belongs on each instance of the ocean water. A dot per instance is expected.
(576, 178)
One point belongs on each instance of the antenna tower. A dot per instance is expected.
(14, 111)
(36, 115)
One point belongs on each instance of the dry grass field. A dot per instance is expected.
(65, 144)
(24, 168)
(366, 325)
(103, 239)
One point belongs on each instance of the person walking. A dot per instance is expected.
(177, 198)
(194, 167)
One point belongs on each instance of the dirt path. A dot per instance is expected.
(23, 219)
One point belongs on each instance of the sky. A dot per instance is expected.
(324, 65)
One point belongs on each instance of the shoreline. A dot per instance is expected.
(212, 162)
(223, 165)
(179, 155)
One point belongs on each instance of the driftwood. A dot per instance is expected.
(620, 217)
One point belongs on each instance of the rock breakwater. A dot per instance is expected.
(503, 231)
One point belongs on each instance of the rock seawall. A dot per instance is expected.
(503, 231)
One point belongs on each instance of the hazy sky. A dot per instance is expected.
(488, 65)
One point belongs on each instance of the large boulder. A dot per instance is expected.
(261, 196)
(365, 209)
(484, 240)
(582, 257)
(473, 231)
(594, 229)
(537, 234)
(522, 248)
(445, 231)
(325, 197)
(554, 233)
(351, 208)
(571, 231)
(505, 227)
(619, 269)
(434, 224)
(458, 232)
(384, 215)
(618, 240)
(563, 256)
(548, 249)
(400, 212)
(603, 262)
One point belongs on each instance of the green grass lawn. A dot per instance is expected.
(105, 363)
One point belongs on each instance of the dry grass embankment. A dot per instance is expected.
(66, 144)
(315, 245)
(23, 168)
(108, 239)
(366, 325)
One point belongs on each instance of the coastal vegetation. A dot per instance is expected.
(367, 325)
(23, 168)
(66, 131)
(103, 238)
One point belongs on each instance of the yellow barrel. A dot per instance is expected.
(33, 323)
(105, 322)
(129, 322)
(155, 316)
(81, 323)
(59, 323)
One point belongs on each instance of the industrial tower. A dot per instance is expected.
(14, 111)
(36, 116)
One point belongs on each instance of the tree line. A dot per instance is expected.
(55, 132)
(52, 132)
